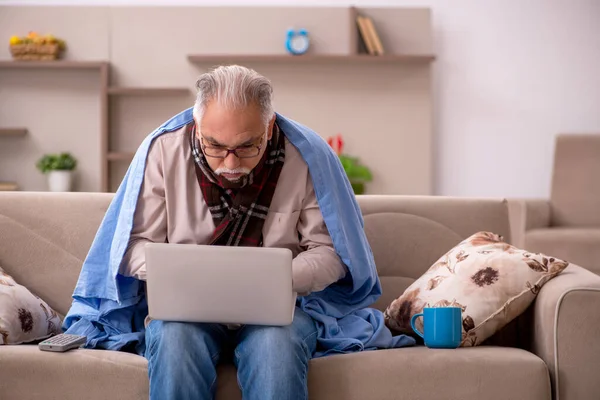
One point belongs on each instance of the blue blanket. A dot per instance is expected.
(110, 308)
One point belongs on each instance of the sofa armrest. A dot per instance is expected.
(525, 215)
(537, 214)
(566, 322)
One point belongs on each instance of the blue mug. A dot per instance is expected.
(442, 327)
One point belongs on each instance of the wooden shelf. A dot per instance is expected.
(147, 91)
(6, 64)
(120, 156)
(13, 131)
(8, 186)
(310, 58)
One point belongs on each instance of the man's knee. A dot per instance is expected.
(174, 331)
(176, 338)
(275, 343)
(182, 359)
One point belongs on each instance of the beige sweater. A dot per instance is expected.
(171, 208)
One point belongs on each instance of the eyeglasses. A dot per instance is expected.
(248, 151)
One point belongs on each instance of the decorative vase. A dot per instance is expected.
(59, 181)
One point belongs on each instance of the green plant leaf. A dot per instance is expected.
(358, 188)
(361, 173)
(356, 173)
(56, 162)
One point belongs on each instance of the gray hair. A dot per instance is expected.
(235, 87)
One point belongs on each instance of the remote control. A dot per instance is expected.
(62, 342)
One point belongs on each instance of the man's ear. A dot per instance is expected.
(270, 128)
(197, 126)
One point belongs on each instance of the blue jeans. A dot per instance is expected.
(271, 362)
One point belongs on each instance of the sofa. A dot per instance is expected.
(550, 351)
(567, 224)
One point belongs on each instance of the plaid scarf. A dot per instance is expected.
(239, 209)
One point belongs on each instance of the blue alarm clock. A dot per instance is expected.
(297, 41)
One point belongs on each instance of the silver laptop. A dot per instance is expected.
(219, 284)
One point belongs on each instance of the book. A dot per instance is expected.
(364, 34)
(362, 45)
(375, 39)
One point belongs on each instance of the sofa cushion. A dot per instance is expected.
(423, 241)
(391, 287)
(580, 246)
(29, 373)
(408, 233)
(492, 281)
(465, 374)
(45, 237)
(490, 373)
(24, 317)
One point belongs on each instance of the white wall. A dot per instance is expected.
(510, 75)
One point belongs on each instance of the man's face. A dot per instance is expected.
(221, 129)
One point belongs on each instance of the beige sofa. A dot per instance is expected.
(553, 347)
(568, 223)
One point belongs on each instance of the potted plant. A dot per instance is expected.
(59, 168)
(357, 174)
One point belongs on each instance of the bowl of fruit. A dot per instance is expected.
(36, 47)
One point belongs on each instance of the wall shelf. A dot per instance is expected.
(120, 156)
(7, 64)
(310, 58)
(148, 91)
(128, 95)
(13, 131)
(8, 186)
(99, 67)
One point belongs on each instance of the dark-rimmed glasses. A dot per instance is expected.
(248, 151)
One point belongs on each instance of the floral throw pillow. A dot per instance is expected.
(492, 281)
(24, 317)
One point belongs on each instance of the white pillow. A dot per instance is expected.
(24, 317)
(492, 281)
